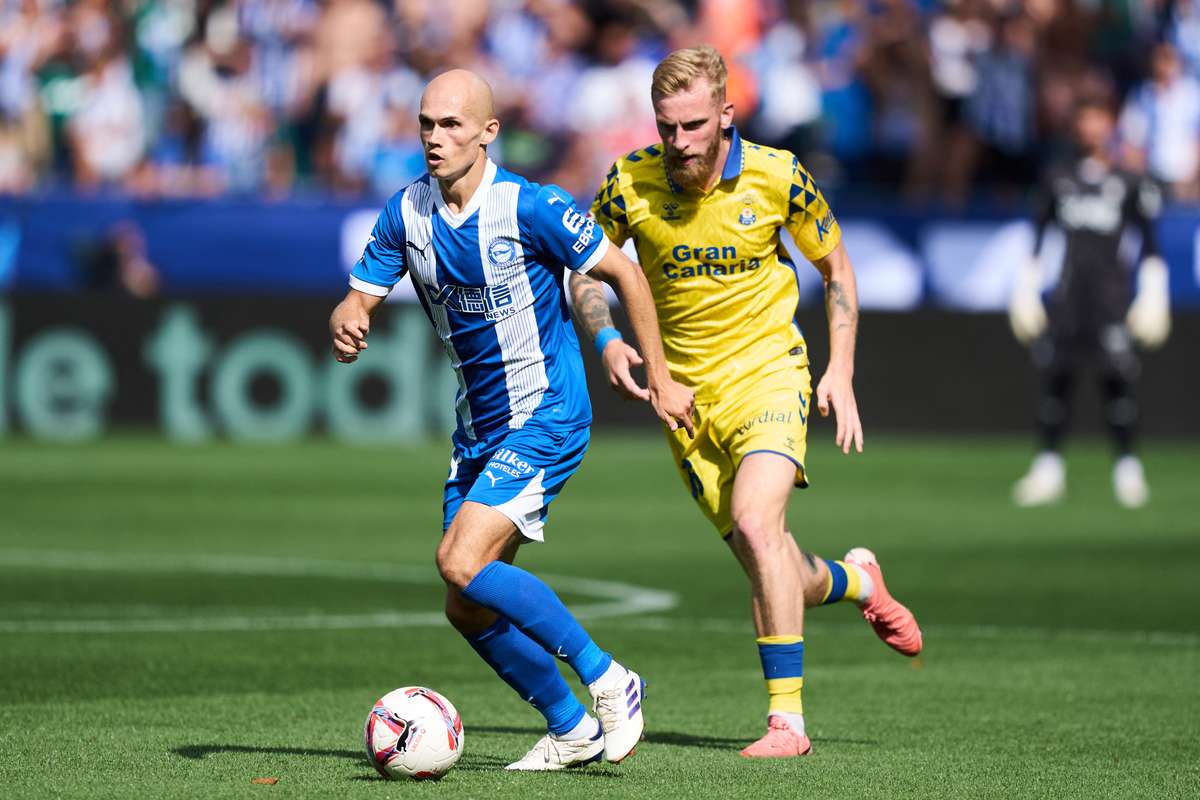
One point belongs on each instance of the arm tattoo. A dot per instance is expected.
(837, 303)
(811, 559)
(590, 307)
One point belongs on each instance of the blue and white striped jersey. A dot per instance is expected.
(490, 279)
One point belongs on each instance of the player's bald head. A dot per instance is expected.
(458, 122)
(459, 92)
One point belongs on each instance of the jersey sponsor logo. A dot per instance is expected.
(1101, 213)
(824, 225)
(494, 302)
(572, 220)
(670, 210)
(586, 236)
(690, 262)
(507, 462)
(501, 252)
(767, 416)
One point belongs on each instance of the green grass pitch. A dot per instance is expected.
(176, 621)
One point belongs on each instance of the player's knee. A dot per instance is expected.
(763, 538)
(457, 568)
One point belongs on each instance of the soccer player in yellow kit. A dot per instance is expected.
(704, 209)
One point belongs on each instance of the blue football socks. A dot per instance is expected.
(533, 607)
(531, 671)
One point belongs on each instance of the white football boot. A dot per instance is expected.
(1129, 482)
(551, 754)
(618, 705)
(1045, 483)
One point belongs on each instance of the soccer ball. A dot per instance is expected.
(413, 732)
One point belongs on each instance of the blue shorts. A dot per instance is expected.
(518, 473)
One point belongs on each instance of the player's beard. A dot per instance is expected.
(695, 173)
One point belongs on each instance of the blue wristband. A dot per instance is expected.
(605, 336)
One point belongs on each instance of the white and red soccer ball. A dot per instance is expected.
(413, 732)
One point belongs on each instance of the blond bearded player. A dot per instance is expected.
(704, 209)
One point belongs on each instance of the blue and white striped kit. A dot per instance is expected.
(490, 280)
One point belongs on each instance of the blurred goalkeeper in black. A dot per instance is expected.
(1089, 319)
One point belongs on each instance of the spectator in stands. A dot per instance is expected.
(28, 36)
(107, 129)
(365, 100)
(958, 35)
(217, 79)
(1160, 125)
(1001, 108)
(789, 113)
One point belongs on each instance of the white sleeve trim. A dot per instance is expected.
(368, 288)
(595, 257)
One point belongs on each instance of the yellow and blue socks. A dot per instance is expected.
(533, 607)
(847, 582)
(531, 672)
(783, 669)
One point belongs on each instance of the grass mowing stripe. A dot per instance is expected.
(932, 632)
(624, 598)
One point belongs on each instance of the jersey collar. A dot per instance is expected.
(733, 159)
(455, 220)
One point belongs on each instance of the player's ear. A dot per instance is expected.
(726, 115)
(491, 129)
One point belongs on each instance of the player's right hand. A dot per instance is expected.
(1026, 314)
(349, 326)
(674, 403)
(618, 358)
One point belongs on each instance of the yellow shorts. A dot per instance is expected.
(767, 415)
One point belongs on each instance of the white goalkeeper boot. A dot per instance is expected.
(1045, 483)
(1129, 482)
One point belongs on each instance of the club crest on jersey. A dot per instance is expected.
(747, 217)
(501, 252)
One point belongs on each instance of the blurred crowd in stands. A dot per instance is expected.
(935, 101)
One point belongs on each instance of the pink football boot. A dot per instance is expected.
(781, 741)
(892, 622)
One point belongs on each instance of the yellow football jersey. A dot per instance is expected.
(723, 283)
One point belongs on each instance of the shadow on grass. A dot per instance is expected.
(196, 752)
(678, 739)
(482, 762)
(487, 762)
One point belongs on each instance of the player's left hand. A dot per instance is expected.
(1149, 317)
(618, 358)
(836, 391)
(674, 403)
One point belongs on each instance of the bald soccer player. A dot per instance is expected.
(486, 250)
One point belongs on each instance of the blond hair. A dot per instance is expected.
(679, 70)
